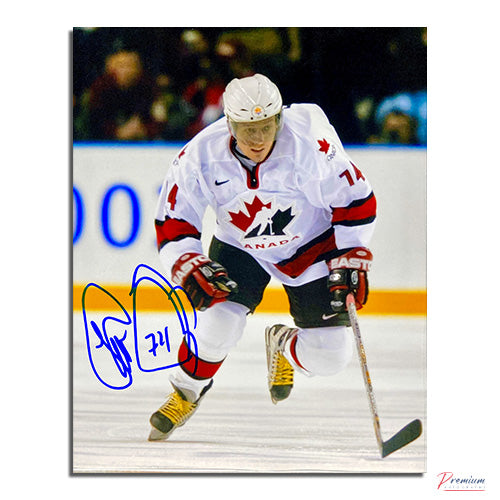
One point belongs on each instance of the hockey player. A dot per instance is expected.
(289, 204)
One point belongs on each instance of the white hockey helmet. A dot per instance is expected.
(252, 98)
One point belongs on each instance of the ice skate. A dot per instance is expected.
(279, 370)
(178, 408)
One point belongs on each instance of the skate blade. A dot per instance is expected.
(156, 435)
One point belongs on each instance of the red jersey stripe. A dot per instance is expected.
(357, 213)
(174, 230)
(307, 255)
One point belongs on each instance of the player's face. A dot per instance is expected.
(255, 139)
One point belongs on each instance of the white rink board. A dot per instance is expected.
(324, 427)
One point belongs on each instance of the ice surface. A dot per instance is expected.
(324, 427)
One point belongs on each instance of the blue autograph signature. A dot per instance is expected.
(108, 336)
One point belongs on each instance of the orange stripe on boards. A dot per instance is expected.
(147, 299)
(389, 302)
(413, 302)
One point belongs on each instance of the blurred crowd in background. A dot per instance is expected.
(166, 84)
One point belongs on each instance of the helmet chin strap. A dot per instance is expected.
(248, 163)
(230, 128)
(243, 159)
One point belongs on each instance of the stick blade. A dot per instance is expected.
(405, 436)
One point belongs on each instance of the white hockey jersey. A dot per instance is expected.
(303, 204)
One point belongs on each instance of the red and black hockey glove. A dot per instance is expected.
(205, 281)
(348, 274)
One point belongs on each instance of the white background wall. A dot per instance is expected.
(398, 177)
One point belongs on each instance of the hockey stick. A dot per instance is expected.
(408, 433)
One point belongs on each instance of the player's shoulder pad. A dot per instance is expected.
(315, 133)
(301, 117)
(201, 145)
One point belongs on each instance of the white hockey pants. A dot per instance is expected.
(320, 351)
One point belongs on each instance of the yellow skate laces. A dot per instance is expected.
(281, 372)
(176, 409)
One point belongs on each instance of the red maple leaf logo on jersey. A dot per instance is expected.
(244, 221)
(324, 145)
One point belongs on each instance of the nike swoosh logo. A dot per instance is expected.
(330, 316)
(219, 183)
